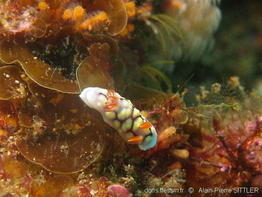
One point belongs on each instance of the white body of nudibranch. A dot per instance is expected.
(121, 114)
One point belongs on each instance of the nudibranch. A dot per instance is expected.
(121, 114)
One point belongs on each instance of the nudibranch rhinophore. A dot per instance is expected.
(121, 114)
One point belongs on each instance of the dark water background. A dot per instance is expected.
(237, 51)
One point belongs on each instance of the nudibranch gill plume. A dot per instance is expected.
(121, 114)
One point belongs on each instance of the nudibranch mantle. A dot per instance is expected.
(121, 114)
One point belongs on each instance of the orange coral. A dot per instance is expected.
(27, 18)
(94, 21)
(78, 13)
(131, 8)
(67, 14)
(42, 5)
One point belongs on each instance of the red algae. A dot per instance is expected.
(251, 153)
(226, 154)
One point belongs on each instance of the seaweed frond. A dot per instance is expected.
(156, 78)
(166, 31)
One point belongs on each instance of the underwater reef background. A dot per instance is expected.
(191, 67)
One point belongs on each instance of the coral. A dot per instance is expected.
(118, 19)
(16, 19)
(42, 5)
(48, 48)
(45, 18)
(94, 21)
(34, 32)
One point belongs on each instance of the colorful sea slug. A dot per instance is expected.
(121, 114)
